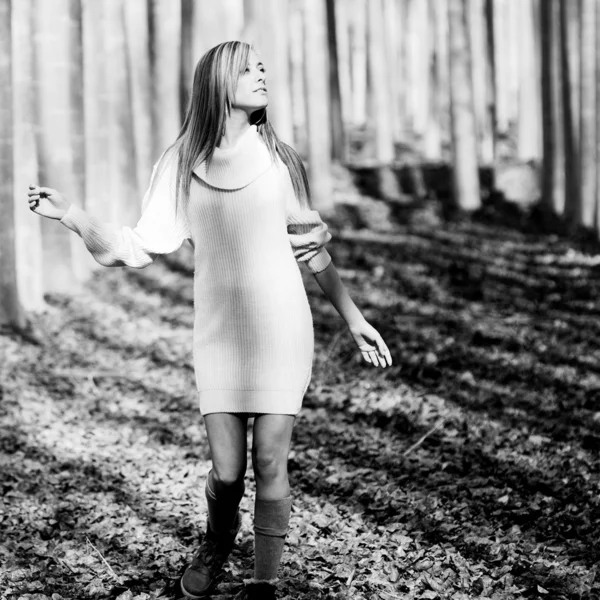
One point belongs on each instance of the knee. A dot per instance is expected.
(269, 465)
(228, 477)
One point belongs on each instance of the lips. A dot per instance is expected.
(262, 89)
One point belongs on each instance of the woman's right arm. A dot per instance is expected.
(159, 230)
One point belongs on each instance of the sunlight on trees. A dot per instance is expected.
(380, 84)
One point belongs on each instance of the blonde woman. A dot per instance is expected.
(241, 197)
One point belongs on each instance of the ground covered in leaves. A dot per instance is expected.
(469, 469)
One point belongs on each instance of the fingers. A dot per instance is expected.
(33, 197)
(380, 356)
(374, 358)
(384, 352)
(38, 191)
(35, 193)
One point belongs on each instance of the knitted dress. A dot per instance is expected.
(253, 342)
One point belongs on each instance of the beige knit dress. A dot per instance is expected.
(253, 331)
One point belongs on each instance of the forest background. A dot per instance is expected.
(452, 148)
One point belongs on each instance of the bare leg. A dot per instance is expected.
(225, 484)
(270, 448)
(224, 490)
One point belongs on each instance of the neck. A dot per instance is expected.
(236, 125)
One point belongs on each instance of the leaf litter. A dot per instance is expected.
(468, 469)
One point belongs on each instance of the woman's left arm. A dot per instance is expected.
(367, 338)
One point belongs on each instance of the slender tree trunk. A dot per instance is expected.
(65, 262)
(11, 310)
(393, 32)
(124, 204)
(378, 75)
(337, 123)
(464, 140)
(316, 77)
(597, 216)
(165, 40)
(137, 41)
(28, 226)
(569, 59)
(419, 58)
(380, 100)
(553, 166)
(344, 65)
(266, 28)
(528, 130)
(504, 50)
(299, 96)
(358, 43)
(96, 108)
(481, 81)
(438, 75)
(491, 78)
(587, 113)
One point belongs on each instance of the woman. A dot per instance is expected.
(241, 197)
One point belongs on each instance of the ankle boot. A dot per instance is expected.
(201, 575)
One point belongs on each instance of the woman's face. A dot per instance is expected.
(251, 92)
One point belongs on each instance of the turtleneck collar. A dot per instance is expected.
(235, 168)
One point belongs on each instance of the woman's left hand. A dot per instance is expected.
(371, 344)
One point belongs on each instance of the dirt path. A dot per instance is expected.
(496, 343)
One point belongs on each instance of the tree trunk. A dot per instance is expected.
(11, 310)
(316, 78)
(438, 76)
(491, 78)
(65, 262)
(265, 27)
(393, 32)
(337, 123)
(124, 203)
(481, 79)
(344, 62)
(137, 41)
(464, 140)
(553, 166)
(504, 36)
(528, 130)
(569, 52)
(299, 96)
(96, 102)
(28, 226)
(358, 45)
(378, 76)
(165, 40)
(597, 217)
(402, 101)
(419, 62)
(587, 113)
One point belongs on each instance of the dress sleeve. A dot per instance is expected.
(158, 231)
(307, 233)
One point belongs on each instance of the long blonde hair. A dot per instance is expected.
(213, 92)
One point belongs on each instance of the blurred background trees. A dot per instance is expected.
(94, 90)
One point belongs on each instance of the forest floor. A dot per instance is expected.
(468, 469)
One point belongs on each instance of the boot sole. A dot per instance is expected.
(204, 594)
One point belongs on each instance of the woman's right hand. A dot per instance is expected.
(47, 202)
